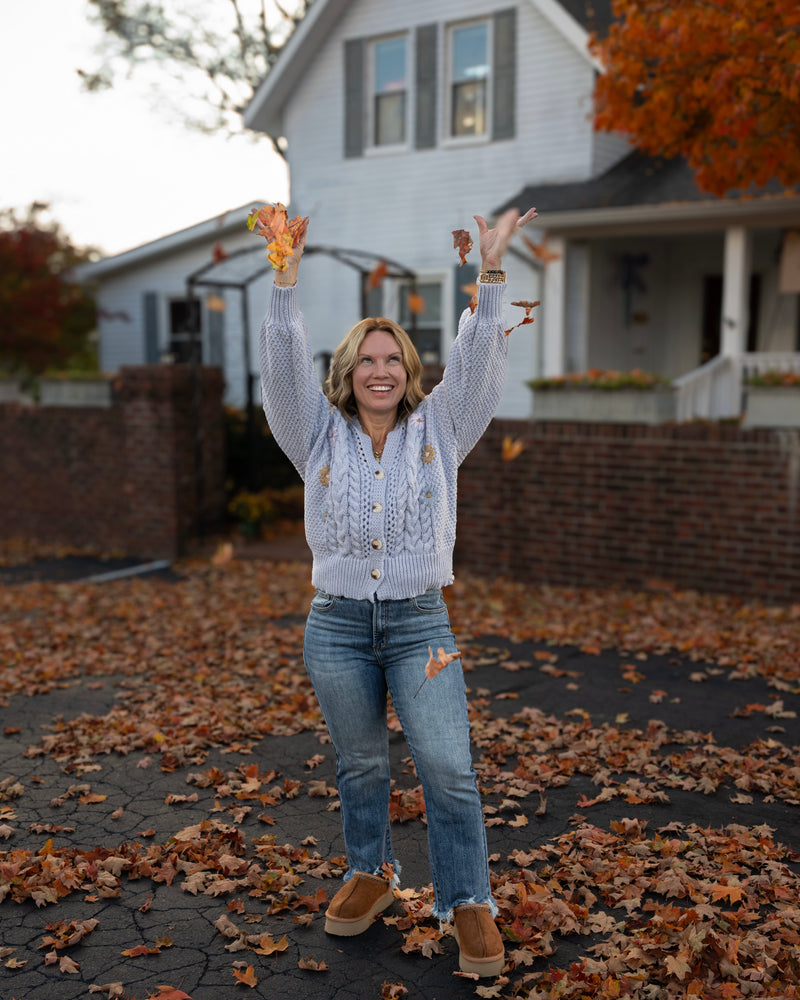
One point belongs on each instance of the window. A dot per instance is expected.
(424, 328)
(184, 317)
(390, 89)
(469, 79)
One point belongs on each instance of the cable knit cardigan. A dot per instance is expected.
(381, 530)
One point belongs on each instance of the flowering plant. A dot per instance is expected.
(601, 378)
(774, 378)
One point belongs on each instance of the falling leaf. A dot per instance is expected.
(462, 241)
(436, 664)
(377, 274)
(416, 304)
(512, 448)
(527, 318)
(541, 251)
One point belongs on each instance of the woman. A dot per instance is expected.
(380, 460)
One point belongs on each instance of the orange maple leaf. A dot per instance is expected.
(168, 993)
(541, 251)
(733, 892)
(512, 448)
(462, 242)
(416, 304)
(247, 978)
(378, 273)
(436, 664)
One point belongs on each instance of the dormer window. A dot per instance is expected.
(469, 79)
(390, 91)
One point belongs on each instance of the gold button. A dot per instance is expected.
(375, 574)
(377, 507)
(377, 543)
(380, 474)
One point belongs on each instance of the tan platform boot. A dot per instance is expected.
(356, 904)
(480, 947)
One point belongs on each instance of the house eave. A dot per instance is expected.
(184, 239)
(264, 112)
(678, 217)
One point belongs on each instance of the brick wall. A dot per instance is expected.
(118, 478)
(711, 507)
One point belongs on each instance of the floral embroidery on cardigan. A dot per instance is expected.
(324, 475)
(428, 454)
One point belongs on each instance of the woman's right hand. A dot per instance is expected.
(283, 279)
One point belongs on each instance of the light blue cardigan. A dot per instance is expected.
(381, 530)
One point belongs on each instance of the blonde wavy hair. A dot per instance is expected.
(339, 383)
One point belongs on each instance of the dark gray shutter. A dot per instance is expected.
(426, 83)
(354, 97)
(466, 274)
(216, 337)
(504, 70)
(150, 312)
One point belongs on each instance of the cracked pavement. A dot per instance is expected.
(197, 962)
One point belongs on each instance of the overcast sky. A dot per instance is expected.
(116, 172)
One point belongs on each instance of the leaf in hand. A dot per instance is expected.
(436, 665)
(462, 242)
(281, 233)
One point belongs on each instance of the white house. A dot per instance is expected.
(402, 121)
(149, 313)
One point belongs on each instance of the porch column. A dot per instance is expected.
(553, 306)
(735, 291)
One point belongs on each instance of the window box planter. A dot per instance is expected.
(772, 406)
(75, 392)
(605, 397)
(12, 392)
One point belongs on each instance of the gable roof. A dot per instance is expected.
(573, 19)
(202, 232)
(640, 188)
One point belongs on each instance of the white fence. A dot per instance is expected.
(715, 391)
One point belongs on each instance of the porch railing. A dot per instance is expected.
(715, 390)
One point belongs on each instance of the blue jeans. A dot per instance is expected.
(357, 651)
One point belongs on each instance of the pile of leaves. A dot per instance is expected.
(659, 909)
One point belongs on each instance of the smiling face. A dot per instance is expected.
(379, 378)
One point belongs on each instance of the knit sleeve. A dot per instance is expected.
(295, 406)
(473, 379)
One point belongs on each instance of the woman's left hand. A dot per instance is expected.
(493, 243)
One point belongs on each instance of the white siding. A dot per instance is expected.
(405, 204)
(121, 320)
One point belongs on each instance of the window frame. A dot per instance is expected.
(448, 84)
(403, 287)
(371, 145)
(183, 338)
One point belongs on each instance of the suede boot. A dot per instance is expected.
(480, 947)
(356, 904)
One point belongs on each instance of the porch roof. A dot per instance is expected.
(642, 191)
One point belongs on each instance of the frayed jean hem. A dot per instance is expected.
(446, 917)
(396, 870)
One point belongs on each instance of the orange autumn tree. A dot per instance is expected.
(714, 81)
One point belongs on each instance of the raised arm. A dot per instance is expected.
(473, 378)
(294, 404)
